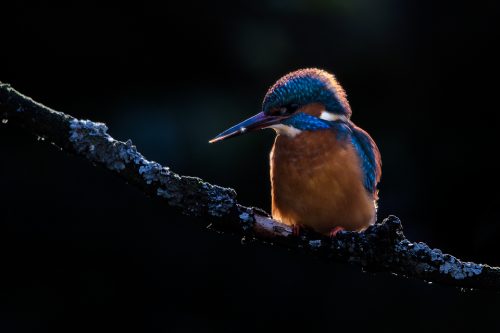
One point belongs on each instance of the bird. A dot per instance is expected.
(324, 169)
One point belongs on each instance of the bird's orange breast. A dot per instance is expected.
(317, 181)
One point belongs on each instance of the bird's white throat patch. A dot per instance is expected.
(325, 115)
(286, 130)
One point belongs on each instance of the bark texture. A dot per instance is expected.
(382, 247)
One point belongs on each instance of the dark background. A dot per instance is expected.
(82, 251)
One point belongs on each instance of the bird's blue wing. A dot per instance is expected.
(370, 158)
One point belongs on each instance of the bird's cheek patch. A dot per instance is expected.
(330, 116)
(286, 130)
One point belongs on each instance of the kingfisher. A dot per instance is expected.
(324, 169)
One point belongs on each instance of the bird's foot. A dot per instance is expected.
(335, 231)
(296, 230)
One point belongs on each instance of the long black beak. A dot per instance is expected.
(259, 121)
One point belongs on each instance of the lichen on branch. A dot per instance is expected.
(191, 194)
(381, 247)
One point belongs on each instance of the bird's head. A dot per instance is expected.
(303, 100)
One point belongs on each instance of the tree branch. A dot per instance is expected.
(382, 247)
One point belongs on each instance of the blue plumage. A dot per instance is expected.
(307, 86)
(306, 122)
(370, 157)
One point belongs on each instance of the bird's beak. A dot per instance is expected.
(259, 121)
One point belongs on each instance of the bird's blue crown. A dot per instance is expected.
(306, 86)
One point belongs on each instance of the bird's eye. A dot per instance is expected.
(288, 109)
(293, 107)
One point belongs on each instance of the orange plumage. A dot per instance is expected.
(317, 181)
